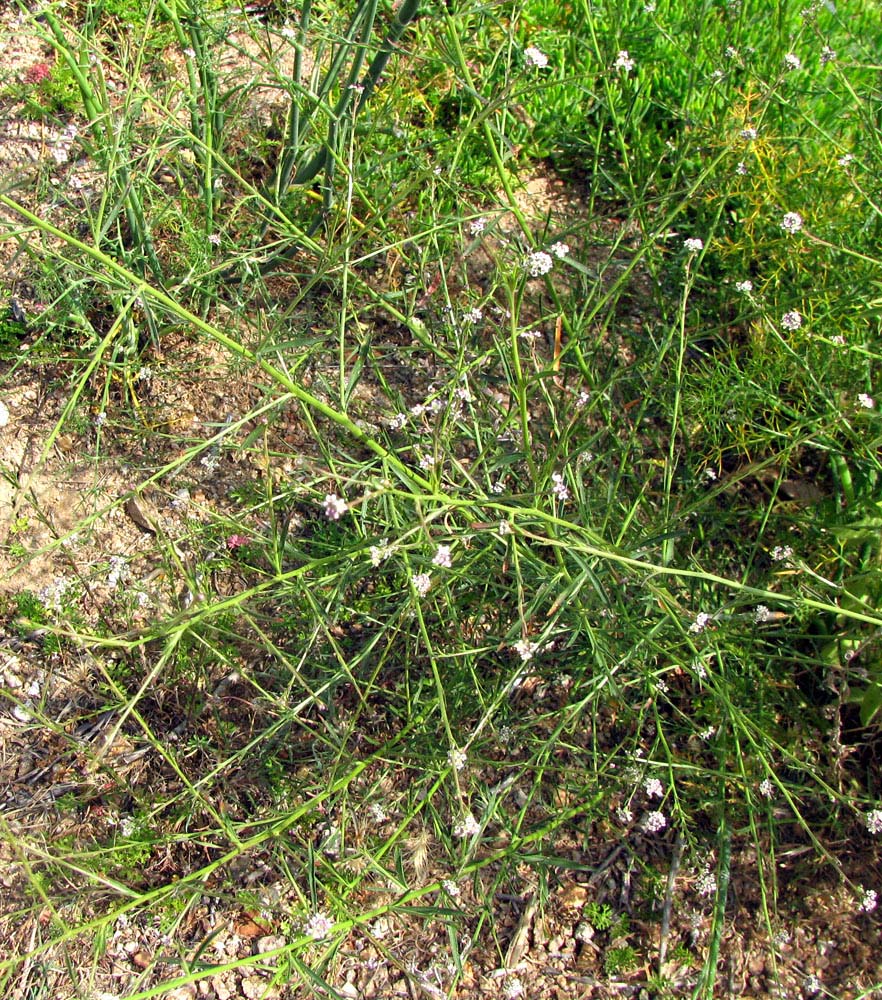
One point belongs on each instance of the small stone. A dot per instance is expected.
(221, 986)
(252, 987)
(271, 942)
(584, 932)
(182, 993)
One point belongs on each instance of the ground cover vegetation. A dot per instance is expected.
(441, 499)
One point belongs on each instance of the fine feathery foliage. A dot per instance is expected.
(489, 398)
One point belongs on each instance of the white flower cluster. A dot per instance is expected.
(317, 926)
(538, 263)
(526, 649)
(702, 620)
(381, 552)
(468, 826)
(653, 822)
(706, 883)
(535, 57)
(334, 507)
(791, 320)
(791, 223)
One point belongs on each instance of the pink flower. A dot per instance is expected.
(236, 542)
(37, 72)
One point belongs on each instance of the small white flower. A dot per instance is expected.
(693, 245)
(653, 788)
(624, 816)
(702, 620)
(451, 888)
(288, 32)
(535, 57)
(504, 528)
(583, 399)
(791, 320)
(457, 759)
(214, 239)
(791, 223)
(873, 820)
(126, 826)
(119, 572)
(381, 552)
(838, 340)
(844, 161)
(867, 402)
(748, 134)
(473, 316)
(828, 55)
(559, 488)
(101, 418)
(398, 421)
(560, 250)
(442, 557)
(700, 668)
(427, 463)
(477, 226)
(654, 821)
(468, 826)
(792, 61)
(538, 263)
(190, 53)
(53, 594)
(706, 883)
(526, 649)
(868, 900)
(317, 926)
(710, 475)
(766, 788)
(334, 507)
(762, 614)
(741, 168)
(422, 582)
(531, 335)
(378, 813)
(624, 61)
(744, 286)
(781, 553)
